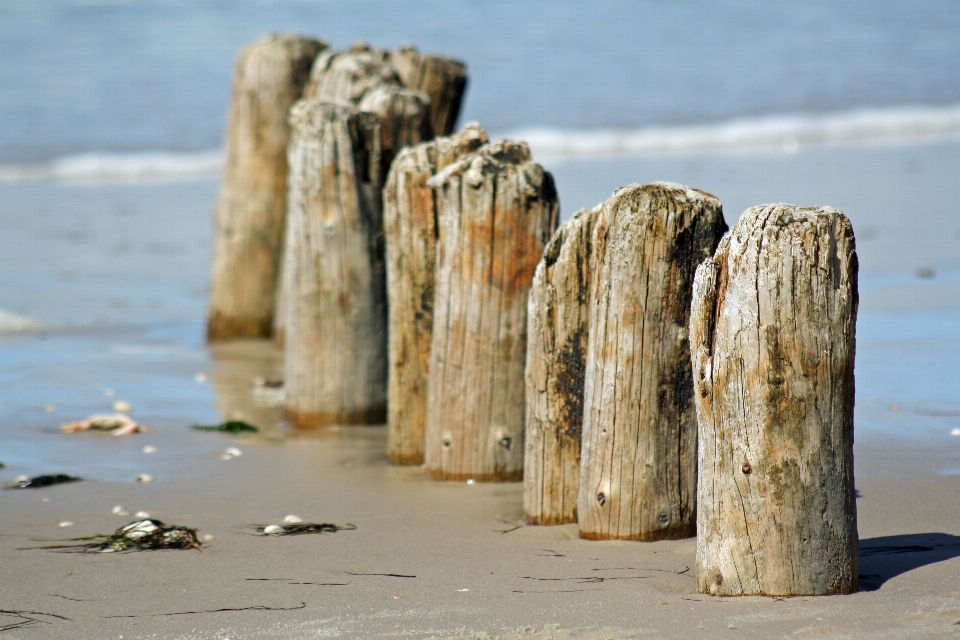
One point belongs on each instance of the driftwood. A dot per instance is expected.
(410, 232)
(773, 332)
(497, 211)
(336, 313)
(441, 78)
(269, 77)
(638, 461)
(346, 76)
(557, 330)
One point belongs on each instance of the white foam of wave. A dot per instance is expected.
(787, 133)
(118, 166)
(13, 323)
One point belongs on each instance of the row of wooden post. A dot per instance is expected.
(647, 376)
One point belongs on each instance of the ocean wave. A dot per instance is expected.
(118, 166)
(14, 323)
(786, 133)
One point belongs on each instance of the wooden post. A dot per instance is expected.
(557, 329)
(405, 115)
(336, 334)
(441, 78)
(410, 231)
(497, 211)
(252, 206)
(639, 456)
(772, 331)
(347, 76)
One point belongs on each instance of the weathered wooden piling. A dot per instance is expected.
(410, 232)
(497, 211)
(346, 76)
(772, 332)
(404, 113)
(557, 329)
(441, 78)
(639, 453)
(251, 209)
(336, 309)
(363, 76)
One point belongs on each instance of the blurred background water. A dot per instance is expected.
(144, 75)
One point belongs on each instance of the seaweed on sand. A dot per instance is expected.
(231, 426)
(142, 535)
(300, 529)
(41, 481)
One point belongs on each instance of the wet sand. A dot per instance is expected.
(116, 275)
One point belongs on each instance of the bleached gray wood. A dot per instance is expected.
(497, 211)
(336, 336)
(251, 209)
(639, 454)
(441, 78)
(405, 115)
(410, 232)
(346, 76)
(773, 338)
(557, 330)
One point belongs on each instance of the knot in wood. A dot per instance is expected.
(601, 499)
(746, 468)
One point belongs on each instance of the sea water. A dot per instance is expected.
(80, 76)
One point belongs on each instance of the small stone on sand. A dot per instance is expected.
(141, 514)
(65, 523)
(955, 432)
(199, 377)
(149, 449)
(122, 406)
(292, 519)
(119, 511)
(144, 477)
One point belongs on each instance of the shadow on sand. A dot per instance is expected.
(889, 556)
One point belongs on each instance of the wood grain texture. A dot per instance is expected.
(773, 338)
(405, 115)
(441, 78)
(251, 208)
(410, 232)
(497, 211)
(360, 74)
(639, 454)
(336, 335)
(558, 323)
(346, 76)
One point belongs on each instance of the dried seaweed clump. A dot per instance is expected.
(118, 423)
(142, 535)
(231, 426)
(300, 529)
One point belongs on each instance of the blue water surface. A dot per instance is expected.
(132, 75)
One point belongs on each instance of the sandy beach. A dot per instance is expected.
(114, 275)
